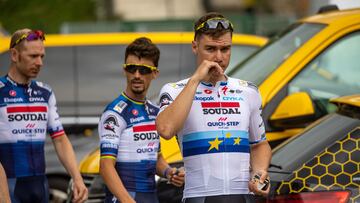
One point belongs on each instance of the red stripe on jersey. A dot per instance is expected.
(143, 128)
(57, 134)
(219, 104)
(210, 104)
(18, 109)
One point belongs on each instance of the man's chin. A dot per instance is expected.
(137, 91)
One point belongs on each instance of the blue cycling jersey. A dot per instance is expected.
(128, 134)
(27, 112)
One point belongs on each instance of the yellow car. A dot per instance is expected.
(313, 60)
(85, 72)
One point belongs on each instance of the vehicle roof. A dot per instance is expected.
(348, 16)
(127, 37)
(353, 100)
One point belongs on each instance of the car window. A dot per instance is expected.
(335, 72)
(239, 53)
(258, 67)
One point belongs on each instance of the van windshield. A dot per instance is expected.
(257, 67)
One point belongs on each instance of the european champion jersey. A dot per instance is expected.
(215, 140)
(27, 113)
(128, 134)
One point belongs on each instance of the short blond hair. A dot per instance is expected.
(17, 34)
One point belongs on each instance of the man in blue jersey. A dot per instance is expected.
(129, 143)
(218, 123)
(27, 113)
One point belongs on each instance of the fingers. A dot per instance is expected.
(80, 192)
(256, 184)
(177, 177)
(208, 69)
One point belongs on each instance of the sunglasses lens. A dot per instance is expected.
(213, 24)
(143, 70)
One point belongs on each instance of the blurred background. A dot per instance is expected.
(261, 17)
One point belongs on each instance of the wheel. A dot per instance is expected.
(58, 189)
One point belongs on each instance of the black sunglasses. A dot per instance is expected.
(142, 68)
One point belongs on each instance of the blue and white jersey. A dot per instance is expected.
(27, 113)
(215, 140)
(128, 134)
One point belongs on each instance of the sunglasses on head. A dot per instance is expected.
(142, 68)
(213, 23)
(31, 36)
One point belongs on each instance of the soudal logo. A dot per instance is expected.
(210, 98)
(221, 108)
(145, 132)
(27, 113)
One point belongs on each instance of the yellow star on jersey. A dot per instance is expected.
(237, 141)
(215, 144)
(228, 135)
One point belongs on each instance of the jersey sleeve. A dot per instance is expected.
(257, 128)
(167, 95)
(54, 126)
(110, 128)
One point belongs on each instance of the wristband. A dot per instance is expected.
(166, 171)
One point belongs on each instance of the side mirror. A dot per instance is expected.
(294, 111)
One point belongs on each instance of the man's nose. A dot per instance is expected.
(137, 74)
(218, 56)
(39, 61)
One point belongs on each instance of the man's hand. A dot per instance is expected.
(255, 182)
(208, 70)
(80, 191)
(176, 176)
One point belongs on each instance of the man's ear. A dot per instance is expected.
(194, 47)
(14, 55)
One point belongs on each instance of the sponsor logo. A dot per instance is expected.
(138, 119)
(146, 136)
(27, 117)
(198, 93)
(165, 99)
(147, 150)
(13, 100)
(109, 145)
(110, 123)
(221, 108)
(36, 99)
(210, 98)
(110, 136)
(28, 131)
(120, 106)
(223, 124)
(233, 98)
(177, 85)
(12, 93)
(222, 119)
(207, 91)
(135, 112)
(224, 89)
(152, 117)
(235, 91)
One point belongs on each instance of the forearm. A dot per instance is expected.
(172, 119)
(4, 190)
(67, 157)
(260, 156)
(113, 181)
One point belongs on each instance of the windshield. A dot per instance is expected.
(260, 65)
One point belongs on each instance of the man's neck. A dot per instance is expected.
(18, 78)
(136, 97)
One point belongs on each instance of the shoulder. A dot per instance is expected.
(2, 82)
(246, 85)
(118, 105)
(42, 85)
(177, 85)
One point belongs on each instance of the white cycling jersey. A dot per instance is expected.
(215, 140)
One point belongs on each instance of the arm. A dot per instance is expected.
(4, 189)
(260, 158)
(113, 181)
(174, 176)
(179, 109)
(66, 156)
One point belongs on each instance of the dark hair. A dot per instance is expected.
(215, 33)
(143, 48)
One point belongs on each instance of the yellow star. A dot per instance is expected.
(237, 141)
(228, 135)
(215, 144)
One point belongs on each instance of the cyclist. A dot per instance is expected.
(129, 143)
(218, 122)
(28, 111)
